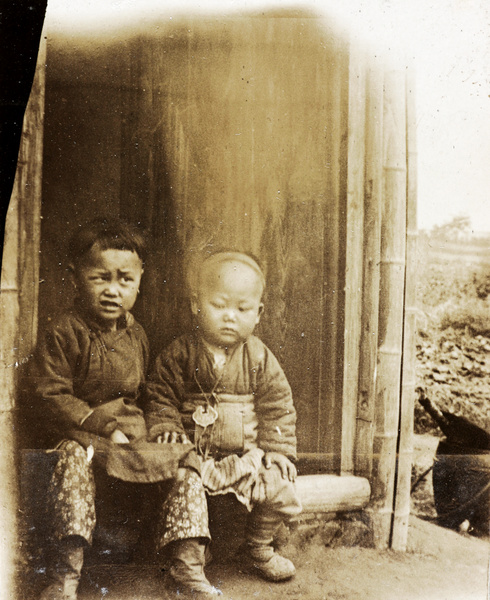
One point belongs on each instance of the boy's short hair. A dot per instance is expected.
(218, 257)
(110, 234)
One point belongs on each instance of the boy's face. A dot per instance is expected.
(107, 283)
(228, 305)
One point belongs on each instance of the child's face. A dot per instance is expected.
(107, 283)
(228, 305)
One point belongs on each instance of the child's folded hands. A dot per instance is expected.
(288, 470)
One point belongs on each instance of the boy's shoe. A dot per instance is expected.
(186, 577)
(184, 591)
(64, 571)
(268, 564)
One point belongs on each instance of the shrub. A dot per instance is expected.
(481, 281)
(472, 316)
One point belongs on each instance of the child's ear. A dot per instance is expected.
(194, 304)
(259, 313)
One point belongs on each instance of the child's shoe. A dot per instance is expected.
(187, 571)
(260, 555)
(64, 571)
(268, 564)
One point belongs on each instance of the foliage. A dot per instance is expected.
(453, 343)
(458, 228)
(481, 281)
(473, 316)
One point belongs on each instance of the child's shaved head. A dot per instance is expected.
(216, 260)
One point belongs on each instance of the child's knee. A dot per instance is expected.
(280, 493)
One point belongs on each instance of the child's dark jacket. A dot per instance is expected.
(253, 396)
(85, 382)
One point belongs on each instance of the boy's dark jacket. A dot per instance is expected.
(85, 382)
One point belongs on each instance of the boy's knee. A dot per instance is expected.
(73, 458)
(70, 449)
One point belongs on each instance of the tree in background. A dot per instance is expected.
(458, 228)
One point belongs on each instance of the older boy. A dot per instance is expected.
(223, 389)
(86, 379)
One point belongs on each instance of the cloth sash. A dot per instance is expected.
(235, 429)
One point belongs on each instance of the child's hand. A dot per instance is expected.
(288, 470)
(118, 437)
(173, 438)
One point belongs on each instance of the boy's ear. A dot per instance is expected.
(194, 304)
(259, 313)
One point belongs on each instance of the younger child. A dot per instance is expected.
(88, 371)
(222, 388)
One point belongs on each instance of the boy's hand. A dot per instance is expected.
(288, 470)
(173, 438)
(118, 437)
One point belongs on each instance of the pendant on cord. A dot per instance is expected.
(205, 415)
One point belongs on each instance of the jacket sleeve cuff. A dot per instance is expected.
(191, 461)
(100, 424)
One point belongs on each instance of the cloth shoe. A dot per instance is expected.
(261, 557)
(187, 571)
(270, 565)
(64, 570)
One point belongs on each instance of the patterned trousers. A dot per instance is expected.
(77, 493)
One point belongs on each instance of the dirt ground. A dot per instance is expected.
(439, 565)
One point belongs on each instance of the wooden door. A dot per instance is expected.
(216, 132)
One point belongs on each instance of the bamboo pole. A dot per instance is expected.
(370, 292)
(405, 442)
(390, 324)
(24, 204)
(353, 251)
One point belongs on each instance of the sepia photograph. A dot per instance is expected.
(245, 300)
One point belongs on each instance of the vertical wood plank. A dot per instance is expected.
(81, 157)
(373, 190)
(9, 309)
(29, 189)
(353, 251)
(390, 324)
(332, 348)
(405, 442)
(18, 290)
